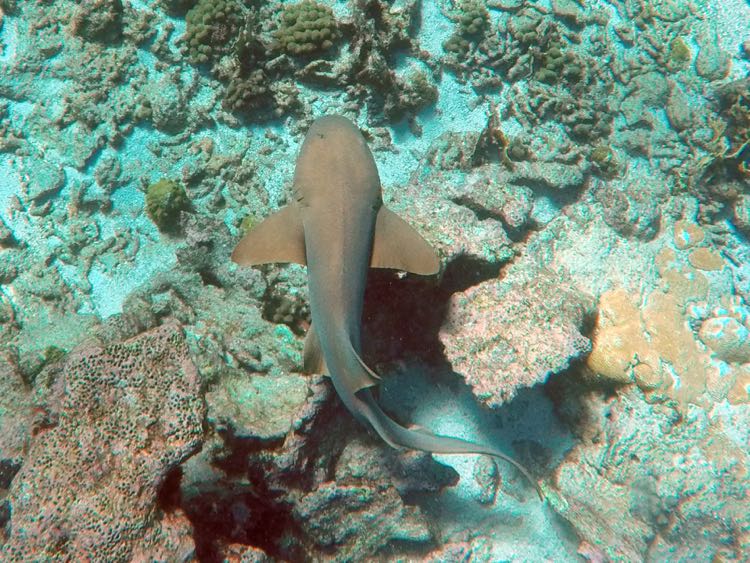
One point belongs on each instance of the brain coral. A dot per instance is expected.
(306, 27)
(111, 426)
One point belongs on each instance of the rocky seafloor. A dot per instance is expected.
(583, 170)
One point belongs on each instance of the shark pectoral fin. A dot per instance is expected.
(278, 238)
(313, 355)
(399, 247)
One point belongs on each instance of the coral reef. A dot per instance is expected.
(472, 19)
(580, 167)
(111, 426)
(629, 207)
(98, 20)
(16, 413)
(211, 28)
(646, 512)
(656, 347)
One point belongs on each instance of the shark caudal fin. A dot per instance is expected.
(418, 439)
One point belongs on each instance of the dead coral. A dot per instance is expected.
(98, 20)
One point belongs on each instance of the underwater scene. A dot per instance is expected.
(374, 280)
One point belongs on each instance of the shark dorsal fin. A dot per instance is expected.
(398, 246)
(278, 238)
(313, 361)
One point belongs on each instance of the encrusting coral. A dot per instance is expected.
(111, 423)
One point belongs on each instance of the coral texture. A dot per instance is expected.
(505, 335)
(212, 27)
(114, 423)
(306, 27)
(659, 477)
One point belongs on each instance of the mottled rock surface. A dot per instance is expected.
(110, 428)
(639, 488)
(258, 406)
(503, 335)
(15, 415)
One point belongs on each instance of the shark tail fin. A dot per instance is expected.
(314, 362)
(360, 375)
(399, 437)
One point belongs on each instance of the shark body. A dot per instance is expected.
(338, 226)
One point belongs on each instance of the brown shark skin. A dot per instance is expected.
(337, 188)
(337, 194)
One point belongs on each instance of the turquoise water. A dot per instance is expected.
(582, 171)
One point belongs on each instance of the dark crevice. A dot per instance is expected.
(209, 278)
(240, 449)
(169, 498)
(467, 271)
(250, 504)
(403, 315)
(5, 513)
(227, 512)
(481, 212)
(8, 470)
(561, 197)
(238, 508)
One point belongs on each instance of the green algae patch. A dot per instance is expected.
(680, 53)
(260, 406)
(248, 223)
(165, 200)
(554, 498)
